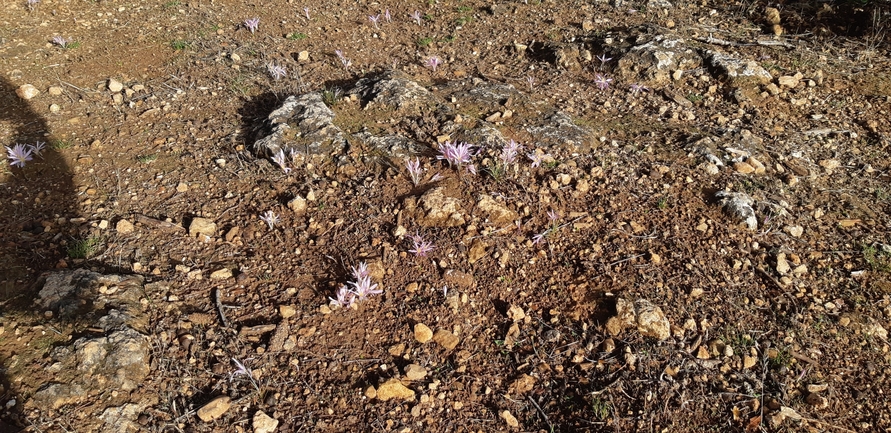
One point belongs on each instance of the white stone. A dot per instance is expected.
(115, 85)
(263, 423)
(27, 91)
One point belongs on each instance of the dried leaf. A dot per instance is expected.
(754, 424)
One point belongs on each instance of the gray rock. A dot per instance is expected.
(706, 148)
(302, 124)
(738, 206)
(560, 130)
(651, 64)
(121, 419)
(658, 4)
(562, 55)
(391, 146)
(119, 361)
(80, 291)
(484, 135)
(395, 90)
(741, 73)
(491, 95)
(95, 365)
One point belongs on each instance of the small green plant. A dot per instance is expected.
(83, 248)
(423, 42)
(179, 44)
(550, 165)
(740, 342)
(60, 144)
(464, 9)
(145, 159)
(171, 4)
(878, 259)
(297, 36)
(782, 359)
(331, 97)
(662, 203)
(601, 408)
(694, 97)
(449, 38)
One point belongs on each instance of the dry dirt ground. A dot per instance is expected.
(605, 289)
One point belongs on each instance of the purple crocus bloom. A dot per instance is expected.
(417, 17)
(269, 217)
(276, 71)
(637, 88)
(345, 297)
(414, 170)
(252, 24)
(38, 147)
(457, 154)
(433, 62)
(18, 155)
(602, 82)
(420, 247)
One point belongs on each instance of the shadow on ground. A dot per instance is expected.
(35, 197)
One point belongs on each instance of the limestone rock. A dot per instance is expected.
(297, 205)
(415, 372)
(649, 319)
(651, 64)
(394, 389)
(124, 227)
(522, 385)
(92, 365)
(121, 419)
(559, 129)
(515, 313)
(214, 409)
(115, 85)
(263, 423)
(788, 81)
(302, 124)
(738, 205)
(740, 73)
(440, 209)
(72, 293)
(477, 251)
(423, 333)
(446, 339)
(221, 274)
(509, 419)
(772, 16)
(498, 214)
(395, 90)
(27, 91)
(202, 227)
(393, 146)
(455, 278)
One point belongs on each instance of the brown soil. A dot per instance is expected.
(750, 346)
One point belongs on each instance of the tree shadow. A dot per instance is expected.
(38, 202)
